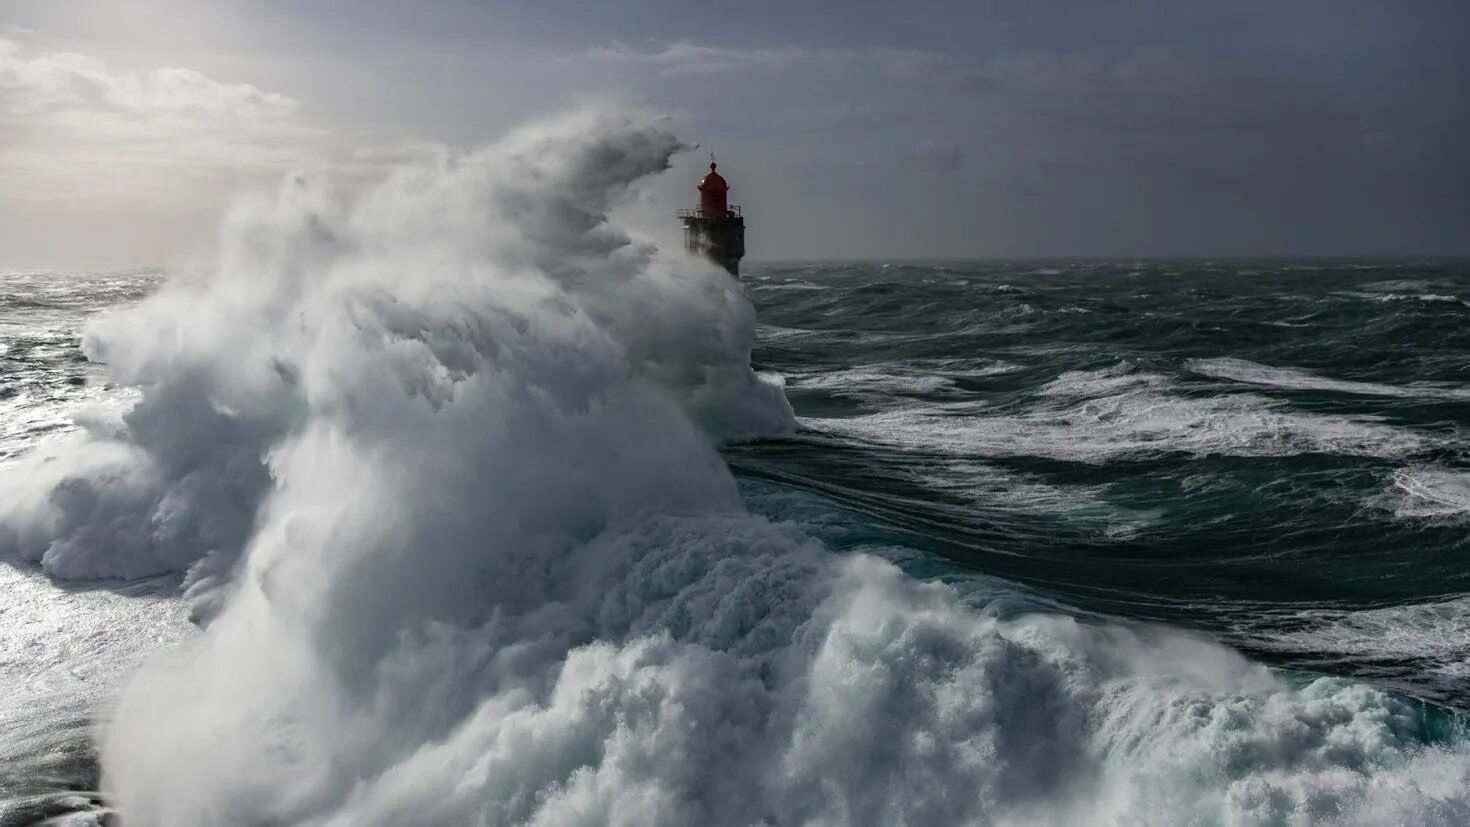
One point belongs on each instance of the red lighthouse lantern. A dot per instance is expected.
(712, 190)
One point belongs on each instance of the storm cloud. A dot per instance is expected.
(932, 129)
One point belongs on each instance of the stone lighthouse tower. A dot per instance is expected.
(716, 228)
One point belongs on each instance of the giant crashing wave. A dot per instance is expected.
(440, 466)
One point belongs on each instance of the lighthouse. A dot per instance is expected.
(715, 229)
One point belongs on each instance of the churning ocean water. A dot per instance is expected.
(460, 505)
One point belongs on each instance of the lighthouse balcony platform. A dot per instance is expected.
(732, 211)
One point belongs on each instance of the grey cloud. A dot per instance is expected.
(694, 58)
(844, 114)
(402, 152)
(39, 82)
(686, 56)
(74, 128)
(940, 154)
(157, 153)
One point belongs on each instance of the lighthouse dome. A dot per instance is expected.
(713, 182)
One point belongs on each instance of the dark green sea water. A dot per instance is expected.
(1276, 454)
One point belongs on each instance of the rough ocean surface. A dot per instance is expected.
(487, 511)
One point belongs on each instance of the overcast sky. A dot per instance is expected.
(847, 129)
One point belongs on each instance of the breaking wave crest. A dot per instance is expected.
(1120, 412)
(440, 466)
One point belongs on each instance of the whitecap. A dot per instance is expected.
(881, 381)
(871, 382)
(1241, 370)
(1435, 635)
(1428, 492)
(1098, 416)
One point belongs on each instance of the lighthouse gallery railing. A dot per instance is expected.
(731, 211)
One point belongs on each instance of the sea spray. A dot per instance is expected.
(513, 235)
(441, 461)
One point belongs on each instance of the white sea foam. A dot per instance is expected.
(176, 482)
(1095, 416)
(492, 570)
(889, 383)
(1436, 636)
(871, 382)
(1087, 384)
(1424, 297)
(1429, 492)
(1241, 370)
(1432, 298)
